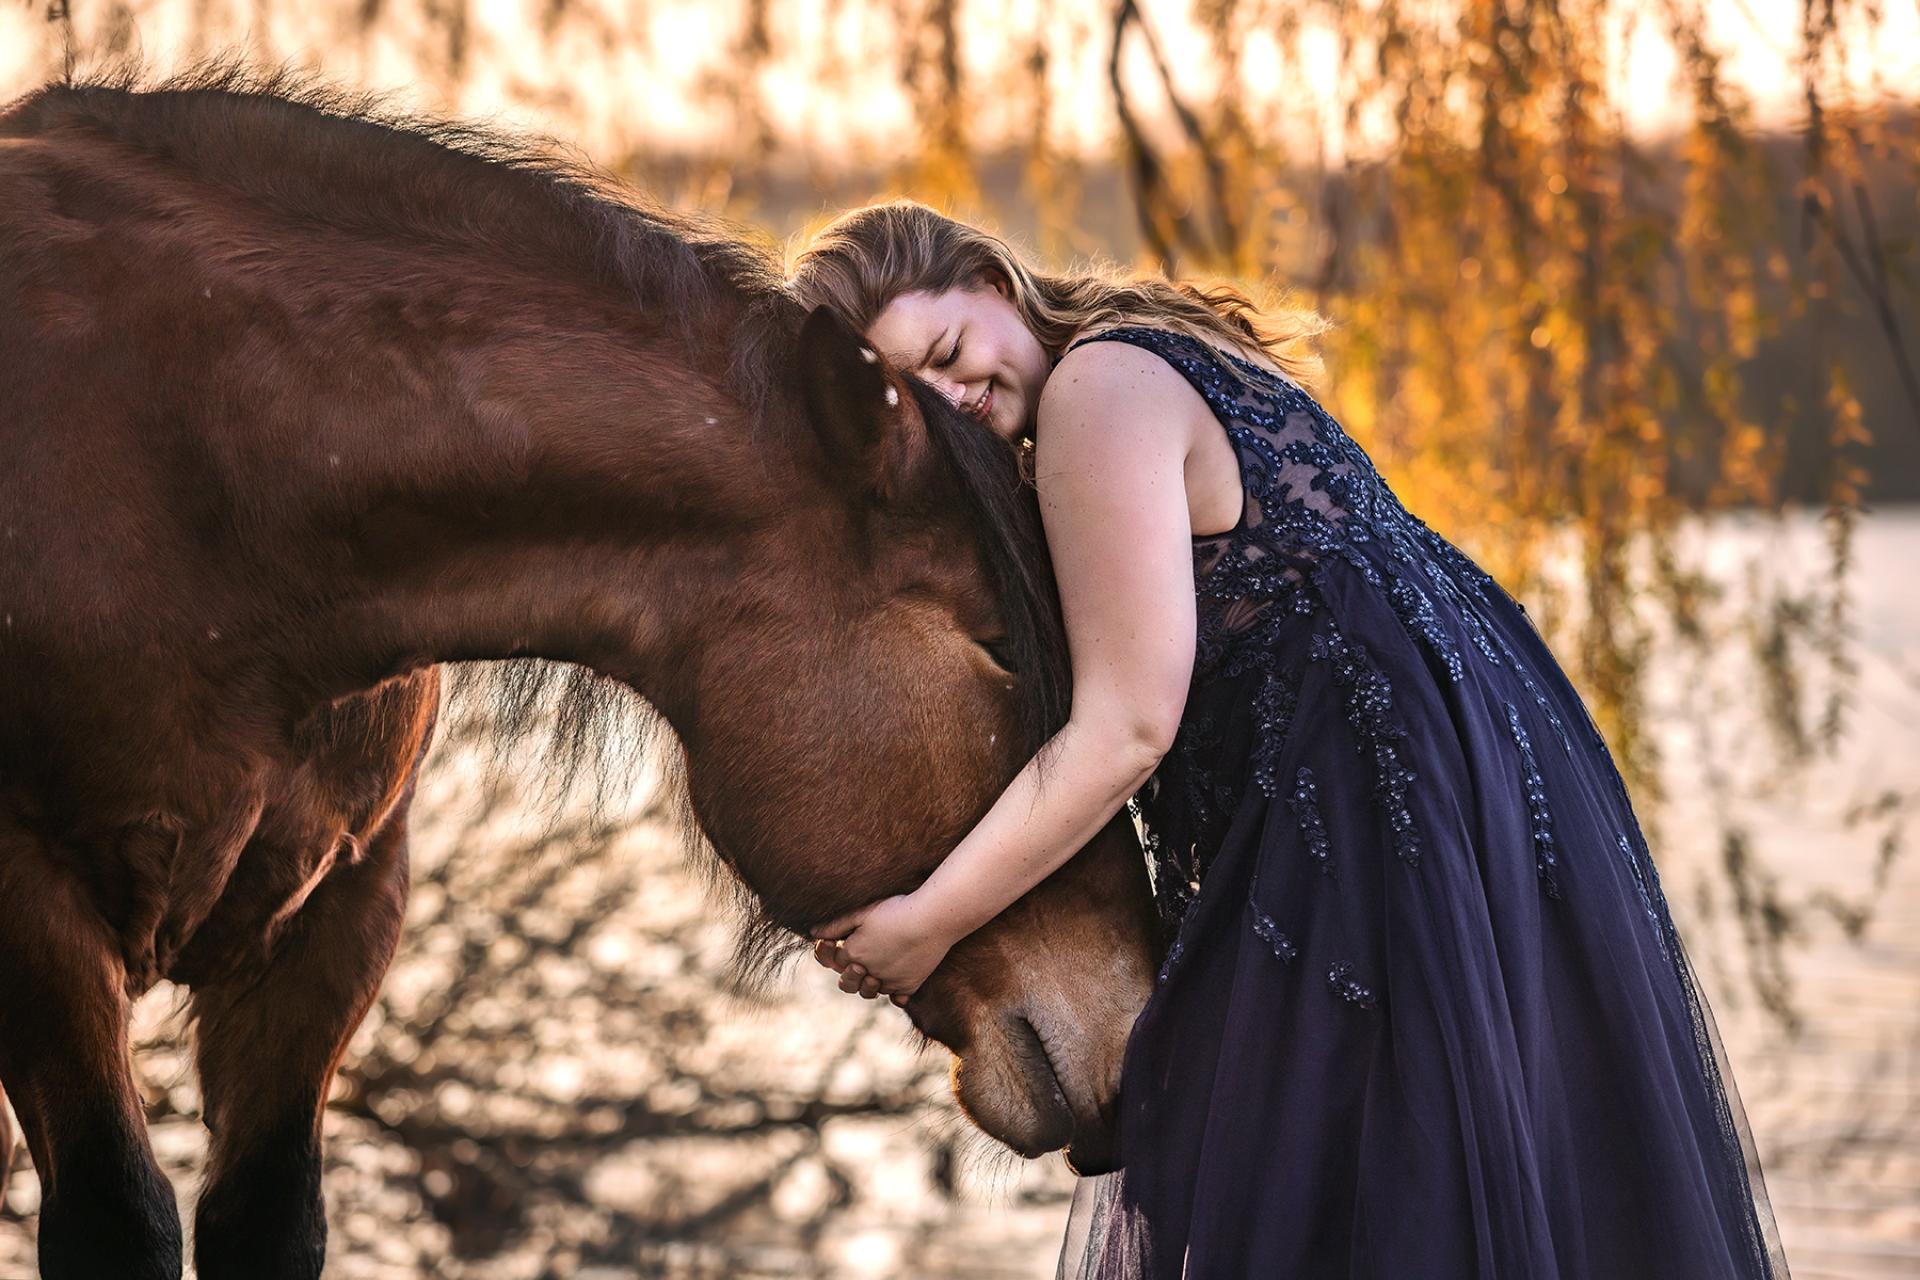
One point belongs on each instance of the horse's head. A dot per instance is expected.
(904, 629)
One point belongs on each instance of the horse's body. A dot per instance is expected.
(296, 406)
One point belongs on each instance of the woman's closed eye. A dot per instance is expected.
(953, 353)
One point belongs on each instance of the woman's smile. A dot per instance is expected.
(969, 344)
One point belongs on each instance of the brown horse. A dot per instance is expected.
(297, 401)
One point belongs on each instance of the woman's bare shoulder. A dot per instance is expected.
(1104, 379)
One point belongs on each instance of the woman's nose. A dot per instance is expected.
(954, 392)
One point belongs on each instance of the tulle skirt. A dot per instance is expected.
(1426, 1014)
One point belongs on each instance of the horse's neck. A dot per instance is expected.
(568, 488)
(340, 452)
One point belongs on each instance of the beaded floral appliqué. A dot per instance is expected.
(1369, 702)
(1650, 894)
(1305, 803)
(1416, 610)
(1539, 818)
(1340, 982)
(1268, 930)
(1273, 709)
(1174, 955)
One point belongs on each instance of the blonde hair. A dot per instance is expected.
(864, 259)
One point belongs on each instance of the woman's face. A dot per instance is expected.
(971, 346)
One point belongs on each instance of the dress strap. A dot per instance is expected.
(1164, 340)
(1140, 335)
(1224, 380)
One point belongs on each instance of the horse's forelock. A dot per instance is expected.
(1005, 514)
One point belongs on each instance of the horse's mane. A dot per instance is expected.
(348, 159)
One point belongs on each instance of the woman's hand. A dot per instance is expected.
(882, 949)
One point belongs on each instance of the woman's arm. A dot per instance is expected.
(1038, 822)
(1115, 426)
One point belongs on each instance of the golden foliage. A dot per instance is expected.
(1556, 335)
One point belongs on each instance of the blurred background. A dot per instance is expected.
(1625, 303)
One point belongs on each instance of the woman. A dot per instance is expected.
(1423, 1012)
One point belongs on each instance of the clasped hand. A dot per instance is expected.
(884, 948)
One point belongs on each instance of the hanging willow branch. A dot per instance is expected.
(1164, 218)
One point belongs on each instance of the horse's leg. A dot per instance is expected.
(267, 1049)
(105, 1207)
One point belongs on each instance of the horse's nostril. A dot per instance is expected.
(1048, 1089)
(1089, 1140)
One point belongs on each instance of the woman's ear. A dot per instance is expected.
(996, 279)
(868, 424)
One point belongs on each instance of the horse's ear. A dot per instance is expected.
(871, 429)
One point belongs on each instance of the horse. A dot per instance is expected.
(304, 398)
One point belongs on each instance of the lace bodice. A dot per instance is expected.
(1311, 495)
(1314, 505)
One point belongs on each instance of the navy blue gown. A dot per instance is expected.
(1423, 1015)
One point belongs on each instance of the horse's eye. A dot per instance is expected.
(1002, 654)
